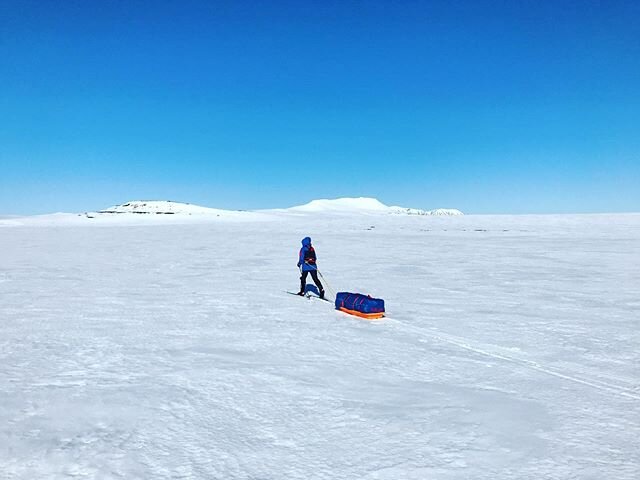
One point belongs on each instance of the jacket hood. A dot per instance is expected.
(306, 241)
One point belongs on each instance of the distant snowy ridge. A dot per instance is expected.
(440, 212)
(339, 205)
(367, 205)
(163, 207)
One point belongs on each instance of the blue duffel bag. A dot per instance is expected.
(358, 302)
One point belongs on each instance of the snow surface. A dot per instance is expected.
(164, 350)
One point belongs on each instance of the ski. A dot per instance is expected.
(296, 294)
(309, 295)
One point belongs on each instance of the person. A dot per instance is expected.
(307, 265)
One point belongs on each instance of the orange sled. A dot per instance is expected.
(368, 316)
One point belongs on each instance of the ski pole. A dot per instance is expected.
(331, 290)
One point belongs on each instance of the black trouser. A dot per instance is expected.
(314, 275)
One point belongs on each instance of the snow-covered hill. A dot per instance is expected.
(345, 205)
(341, 206)
(367, 205)
(168, 212)
(162, 207)
(438, 212)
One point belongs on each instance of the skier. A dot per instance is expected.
(307, 264)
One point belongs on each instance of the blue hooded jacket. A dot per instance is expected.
(306, 246)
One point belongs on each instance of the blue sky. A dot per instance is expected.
(490, 107)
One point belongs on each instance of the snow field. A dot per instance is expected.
(171, 351)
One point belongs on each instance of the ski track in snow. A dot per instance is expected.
(566, 375)
(165, 351)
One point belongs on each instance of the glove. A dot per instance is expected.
(298, 265)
